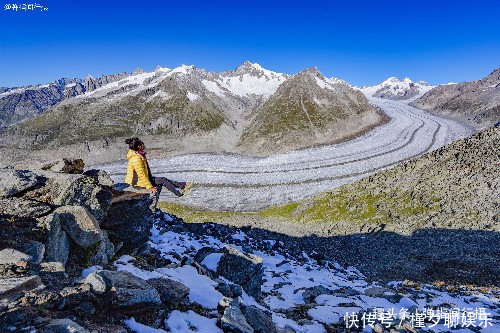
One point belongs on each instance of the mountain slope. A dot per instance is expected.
(308, 109)
(187, 109)
(19, 104)
(476, 102)
(396, 89)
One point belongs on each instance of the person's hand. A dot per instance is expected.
(153, 189)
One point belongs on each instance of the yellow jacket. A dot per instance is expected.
(137, 170)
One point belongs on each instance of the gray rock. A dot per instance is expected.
(104, 252)
(309, 295)
(100, 176)
(229, 289)
(36, 250)
(259, 320)
(13, 181)
(80, 225)
(234, 321)
(57, 245)
(61, 326)
(129, 219)
(96, 282)
(72, 189)
(64, 165)
(243, 269)
(12, 257)
(171, 292)
(12, 288)
(20, 207)
(126, 292)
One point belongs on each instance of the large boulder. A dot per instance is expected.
(129, 219)
(65, 165)
(124, 291)
(72, 189)
(243, 269)
(80, 225)
(13, 182)
(23, 208)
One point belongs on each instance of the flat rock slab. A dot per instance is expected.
(21, 207)
(12, 257)
(13, 285)
(13, 181)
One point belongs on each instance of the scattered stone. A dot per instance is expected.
(13, 181)
(171, 292)
(234, 321)
(243, 269)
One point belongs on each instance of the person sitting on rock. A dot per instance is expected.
(139, 174)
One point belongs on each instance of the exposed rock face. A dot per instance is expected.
(476, 102)
(61, 326)
(243, 269)
(260, 321)
(129, 219)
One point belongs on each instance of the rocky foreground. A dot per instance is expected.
(79, 254)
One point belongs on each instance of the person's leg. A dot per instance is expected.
(171, 185)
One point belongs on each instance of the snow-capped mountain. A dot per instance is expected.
(396, 89)
(246, 110)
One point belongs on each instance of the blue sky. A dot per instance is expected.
(361, 42)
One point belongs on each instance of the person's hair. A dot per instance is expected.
(134, 143)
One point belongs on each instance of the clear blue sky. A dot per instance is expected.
(361, 42)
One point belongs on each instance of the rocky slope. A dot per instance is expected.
(476, 102)
(395, 89)
(78, 254)
(188, 109)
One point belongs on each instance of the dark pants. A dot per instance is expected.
(171, 185)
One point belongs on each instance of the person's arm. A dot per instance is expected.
(141, 171)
